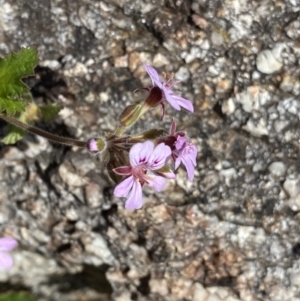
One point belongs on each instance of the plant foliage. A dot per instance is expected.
(15, 98)
(13, 296)
(13, 68)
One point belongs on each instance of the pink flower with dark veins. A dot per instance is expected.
(185, 152)
(6, 245)
(144, 158)
(175, 101)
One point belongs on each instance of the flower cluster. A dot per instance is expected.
(147, 158)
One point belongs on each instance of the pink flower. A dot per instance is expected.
(143, 157)
(175, 101)
(6, 244)
(185, 152)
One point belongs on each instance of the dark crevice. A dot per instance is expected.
(157, 35)
(69, 228)
(90, 277)
(144, 288)
(63, 248)
(218, 109)
(296, 250)
(46, 175)
(141, 240)
(45, 82)
(6, 287)
(106, 214)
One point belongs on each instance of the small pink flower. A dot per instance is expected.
(144, 157)
(175, 101)
(185, 152)
(6, 244)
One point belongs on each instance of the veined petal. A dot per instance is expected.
(177, 162)
(170, 98)
(7, 243)
(123, 188)
(6, 261)
(180, 142)
(193, 154)
(169, 175)
(158, 183)
(185, 103)
(189, 168)
(140, 153)
(153, 75)
(189, 151)
(135, 199)
(159, 156)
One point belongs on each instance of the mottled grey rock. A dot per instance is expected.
(270, 61)
(277, 169)
(233, 233)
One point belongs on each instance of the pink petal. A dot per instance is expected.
(6, 261)
(123, 170)
(123, 188)
(153, 75)
(185, 103)
(159, 156)
(158, 183)
(189, 152)
(140, 153)
(169, 97)
(180, 142)
(92, 145)
(189, 168)
(193, 154)
(135, 200)
(7, 244)
(170, 174)
(177, 162)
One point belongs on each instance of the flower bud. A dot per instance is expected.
(96, 145)
(130, 115)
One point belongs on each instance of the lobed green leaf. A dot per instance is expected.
(15, 134)
(11, 106)
(50, 111)
(13, 68)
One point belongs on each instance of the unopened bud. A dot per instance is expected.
(130, 115)
(96, 145)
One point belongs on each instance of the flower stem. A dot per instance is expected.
(42, 133)
(120, 130)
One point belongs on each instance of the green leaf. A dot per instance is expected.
(15, 134)
(13, 68)
(50, 111)
(13, 296)
(11, 106)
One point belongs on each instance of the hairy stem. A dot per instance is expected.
(39, 132)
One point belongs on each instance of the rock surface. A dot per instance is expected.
(232, 234)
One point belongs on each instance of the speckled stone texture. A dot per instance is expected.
(234, 233)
